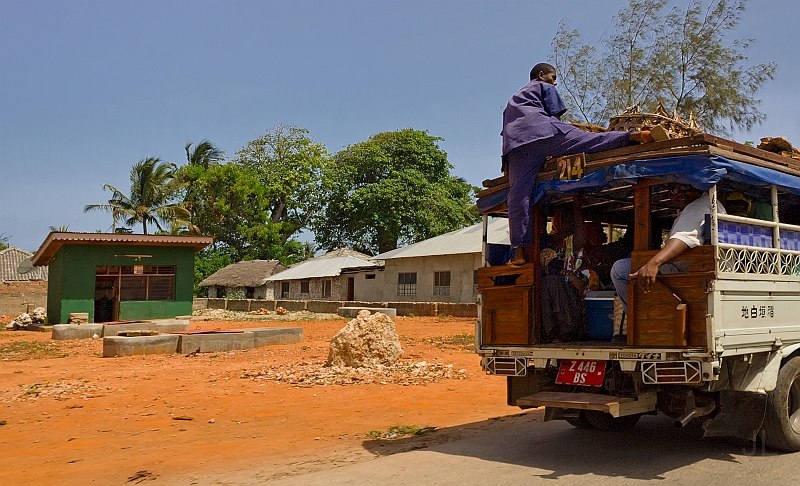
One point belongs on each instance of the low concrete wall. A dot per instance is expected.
(162, 326)
(129, 346)
(353, 311)
(292, 305)
(324, 306)
(240, 305)
(216, 303)
(331, 306)
(64, 332)
(256, 304)
(267, 336)
(199, 303)
(457, 310)
(211, 343)
(415, 308)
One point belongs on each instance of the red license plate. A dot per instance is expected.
(581, 372)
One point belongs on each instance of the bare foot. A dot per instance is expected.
(519, 258)
(641, 137)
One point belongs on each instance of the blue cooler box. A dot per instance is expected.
(600, 313)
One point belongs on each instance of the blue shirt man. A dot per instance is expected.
(532, 131)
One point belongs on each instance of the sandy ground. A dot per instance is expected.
(71, 417)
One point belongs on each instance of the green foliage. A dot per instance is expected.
(292, 168)
(680, 56)
(206, 262)
(4, 241)
(234, 208)
(153, 197)
(395, 188)
(60, 229)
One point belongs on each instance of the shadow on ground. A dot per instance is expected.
(646, 452)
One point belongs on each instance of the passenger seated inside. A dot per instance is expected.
(566, 274)
(686, 232)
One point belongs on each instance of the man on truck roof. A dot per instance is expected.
(533, 131)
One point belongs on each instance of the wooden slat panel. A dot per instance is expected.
(641, 208)
(580, 401)
(506, 315)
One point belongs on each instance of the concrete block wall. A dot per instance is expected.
(331, 307)
(17, 296)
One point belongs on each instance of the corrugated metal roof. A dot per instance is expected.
(250, 273)
(55, 240)
(10, 258)
(320, 267)
(465, 240)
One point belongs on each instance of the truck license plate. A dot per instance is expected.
(581, 372)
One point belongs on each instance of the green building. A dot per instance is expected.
(118, 277)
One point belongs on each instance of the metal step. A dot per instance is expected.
(616, 406)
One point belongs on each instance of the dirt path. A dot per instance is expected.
(74, 418)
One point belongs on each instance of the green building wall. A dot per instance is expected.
(72, 272)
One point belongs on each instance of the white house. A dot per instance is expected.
(439, 269)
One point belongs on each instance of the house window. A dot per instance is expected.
(304, 285)
(441, 283)
(326, 289)
(370, 276)
(143, 282)
(407, 283)
(475, 282)
(249, 292)
(221, 292)
(284, 290)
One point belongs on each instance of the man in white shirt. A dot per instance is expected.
(686, 232)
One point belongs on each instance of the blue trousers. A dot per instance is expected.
(525, 161)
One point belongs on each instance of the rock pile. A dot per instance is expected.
(311, 374)
(21, 322)
(365, 342)
(78, 318)
(24, 320)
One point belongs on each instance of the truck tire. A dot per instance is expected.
(580, 422)
(605, 421)
(782, 421)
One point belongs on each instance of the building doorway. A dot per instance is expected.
(106, 298)
(351, 289)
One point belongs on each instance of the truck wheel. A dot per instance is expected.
(580, 422)
(782, 421)
(605, 421)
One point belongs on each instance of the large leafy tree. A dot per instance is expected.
(234, 207)
(292, 168)
(680, 56)
(199, 159)
(395, 188)
(153, 197)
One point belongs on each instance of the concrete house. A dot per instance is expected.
(118, 276)
(439, 269)
(20, 292)
(248, 278)
(321, 278)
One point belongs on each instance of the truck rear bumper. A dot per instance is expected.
(616, 406)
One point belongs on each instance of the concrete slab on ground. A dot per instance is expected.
(215, 342)
(353, 311)
(39, 328)
(64, 332)
(161, 325)
(129, 346)
(268, 336)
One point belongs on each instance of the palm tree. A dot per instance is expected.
(60, 229)
(204, 154)
(151, 199)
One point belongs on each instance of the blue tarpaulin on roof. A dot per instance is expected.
(699, 171)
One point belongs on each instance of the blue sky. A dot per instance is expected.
(87, 88)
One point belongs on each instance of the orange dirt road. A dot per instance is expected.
(71, 417)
